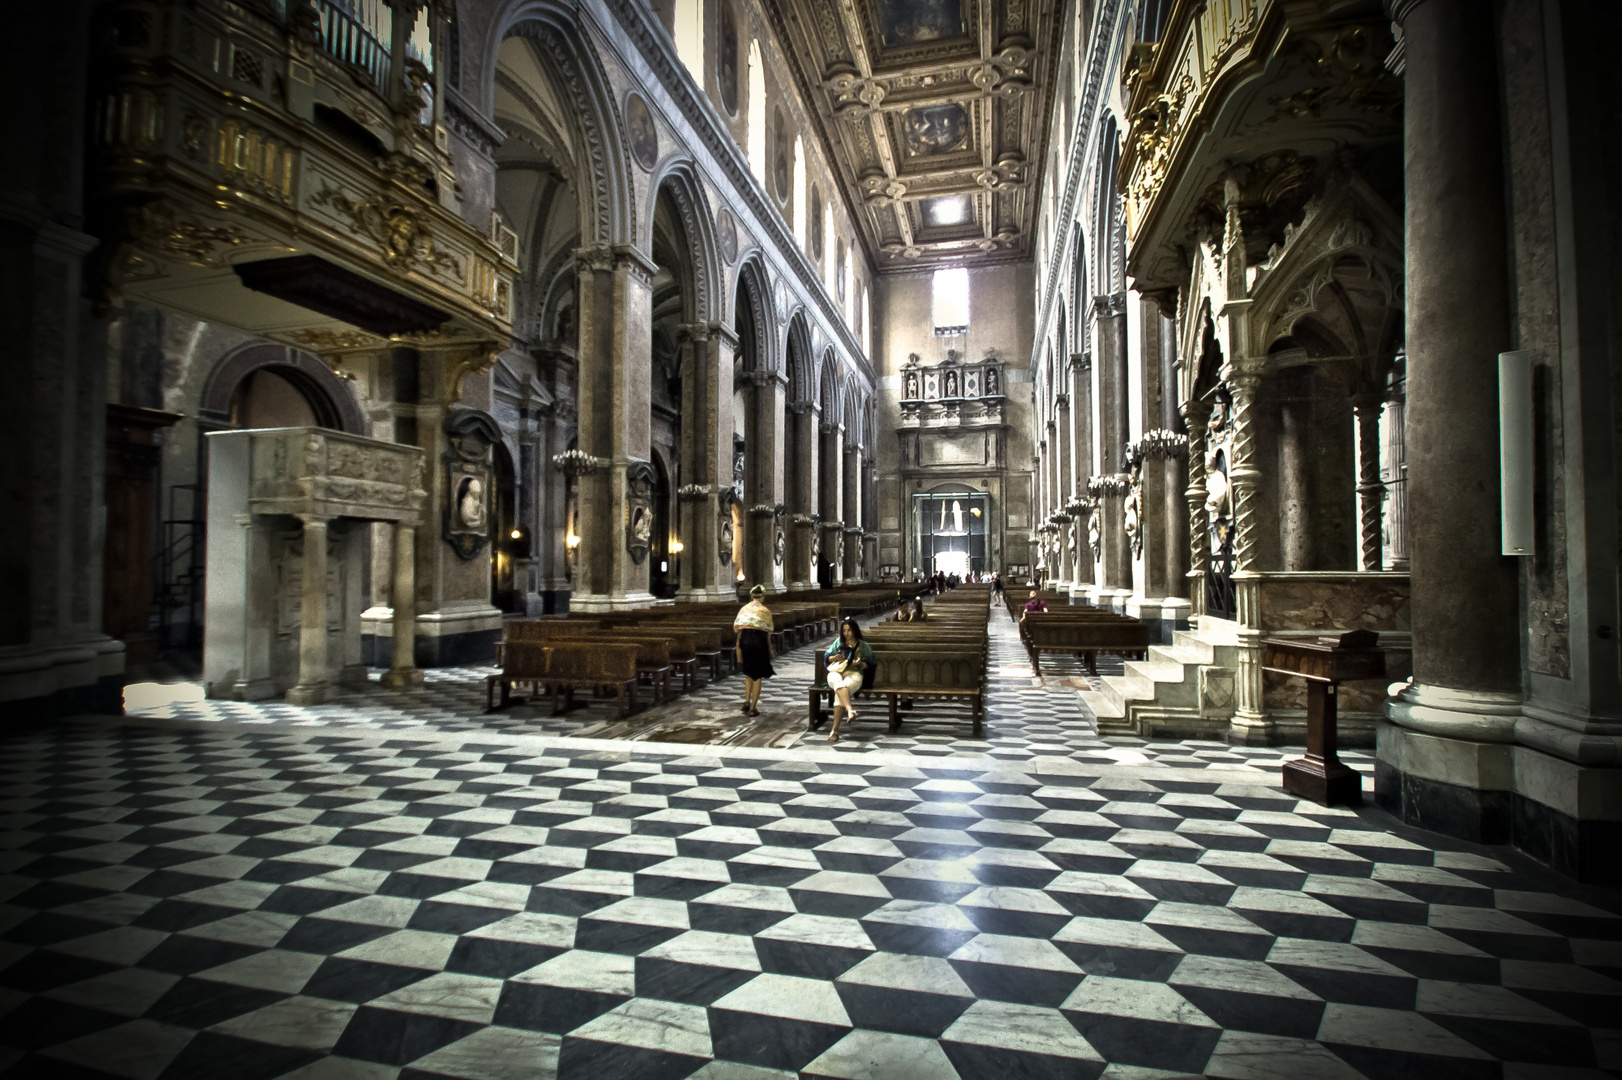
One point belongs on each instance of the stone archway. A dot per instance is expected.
(330, 401)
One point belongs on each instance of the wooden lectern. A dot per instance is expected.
(1325, 662)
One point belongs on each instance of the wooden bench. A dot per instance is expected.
(1084, 636)
(595, 666)
(659, 655)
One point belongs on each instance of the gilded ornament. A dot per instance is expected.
(407, 244)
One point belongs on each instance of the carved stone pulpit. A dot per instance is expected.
(285, 551)
(1325, 662)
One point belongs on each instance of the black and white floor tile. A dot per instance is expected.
(183, 899)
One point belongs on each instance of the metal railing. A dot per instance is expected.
(357, 32)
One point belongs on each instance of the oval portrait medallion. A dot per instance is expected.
(642, 131)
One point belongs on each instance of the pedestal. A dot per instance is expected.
(1321, 776)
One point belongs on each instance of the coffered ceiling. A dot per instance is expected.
(936, 113)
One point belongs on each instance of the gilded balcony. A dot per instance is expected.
(282, 167)
(1269, 94)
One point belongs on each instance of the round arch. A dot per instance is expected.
(329, 398)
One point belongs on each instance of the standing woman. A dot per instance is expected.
(754, 651)
(850, 667)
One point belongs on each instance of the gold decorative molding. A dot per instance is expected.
(159, 227)
(408, 246)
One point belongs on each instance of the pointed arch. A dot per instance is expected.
(799, 359)
(829, 396)
(679, 180)
(752, 317)
(607, 206)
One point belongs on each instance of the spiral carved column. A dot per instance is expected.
(1242, 471)
(1196, 415)
(1370, 489)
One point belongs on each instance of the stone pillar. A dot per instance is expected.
(1394, 469)
(551, 534)
(1298, 447)
(763, 476)
(1445, 758)
(1065, 489)
(853, 513)
(1081, 467)
(1370, 490)
(832, 500)
(1196, 415)
(614, 288)
(706, 459)
(404, 671)
(315, 683)
(799, 571)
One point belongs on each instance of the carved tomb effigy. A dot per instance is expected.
(287, 515)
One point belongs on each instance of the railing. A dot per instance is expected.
(353, 31)
(180, 572)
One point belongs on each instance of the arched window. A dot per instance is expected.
(867, 325)
(757, 114)
(782, 167)
(798, 208)
(814, 223)
(726, 61)
(689, 36)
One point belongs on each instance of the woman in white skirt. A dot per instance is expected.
(850, 667)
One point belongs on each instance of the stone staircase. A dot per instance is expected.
(1183, 690)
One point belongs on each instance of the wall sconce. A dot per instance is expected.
(571, 541)
(676, 547)
(517, 534)
(740, 575)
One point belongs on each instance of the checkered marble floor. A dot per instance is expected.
(1026, 717)
(183, 899)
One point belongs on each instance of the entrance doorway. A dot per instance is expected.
(950, 526)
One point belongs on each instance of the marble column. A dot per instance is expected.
(1446, 762)
(615, 298)
(404, 671)
(551, 537)
(1394, 469)
(315, 683)
(1370, 489)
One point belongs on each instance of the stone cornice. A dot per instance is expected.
(659, 53)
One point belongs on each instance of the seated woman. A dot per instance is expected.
(918, 609)
(850, 667)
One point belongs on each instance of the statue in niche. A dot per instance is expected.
(639, 481)
(991, 382)
(777, 546)
(951, 384)
(910, 382)
(1095, 536)
(470, 504)
(724, 535)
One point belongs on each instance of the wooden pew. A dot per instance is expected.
(1085, 636)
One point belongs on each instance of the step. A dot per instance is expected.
(1130, 687)
(1156, 670)
(1103, 706)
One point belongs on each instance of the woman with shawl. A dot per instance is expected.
(754, 650)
